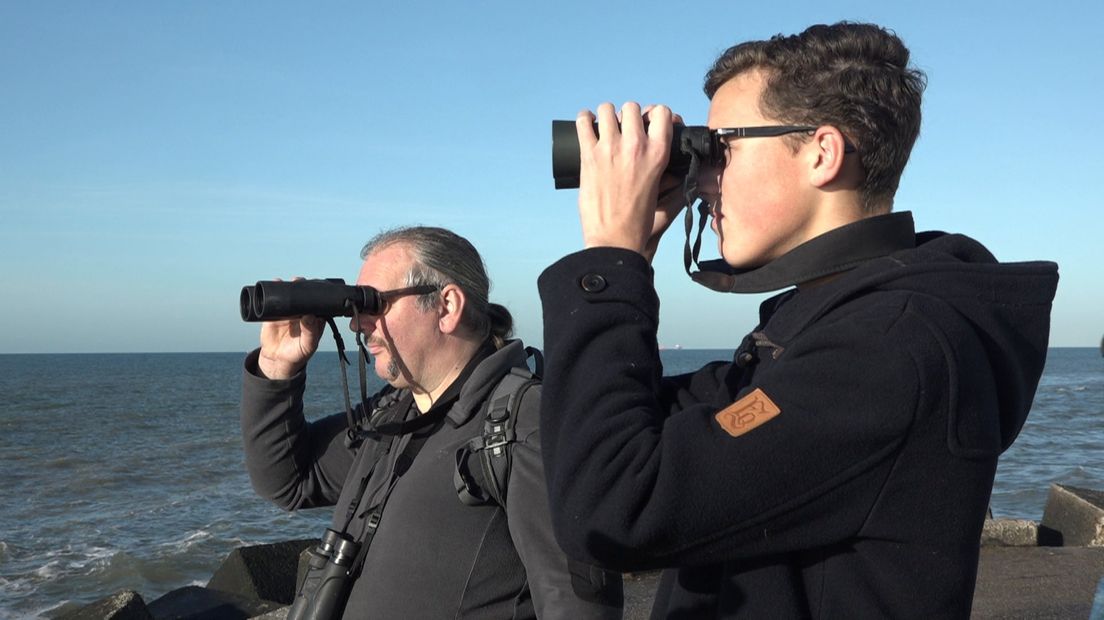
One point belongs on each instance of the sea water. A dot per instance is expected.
(125, 471)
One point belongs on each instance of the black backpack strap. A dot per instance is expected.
(482, 469)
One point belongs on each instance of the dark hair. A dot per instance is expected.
(854, 77)
(443, 257)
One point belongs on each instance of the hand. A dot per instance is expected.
(619, 177)
(286, 346)
(671, 202)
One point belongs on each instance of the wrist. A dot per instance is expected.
(276, 370)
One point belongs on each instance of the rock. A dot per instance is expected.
(1036, 583)
(276, 614)
(1009, 533)
(1073, 517)
(123, 605)
(301, 567)
(265, 572)
(197, 603)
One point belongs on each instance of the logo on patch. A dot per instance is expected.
(748, 413)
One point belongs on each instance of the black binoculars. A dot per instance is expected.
(325, 586)
(685, 142)
(275, 301)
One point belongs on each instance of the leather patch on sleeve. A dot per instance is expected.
(748, 413)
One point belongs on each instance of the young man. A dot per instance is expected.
(841, 464)
(442, 348)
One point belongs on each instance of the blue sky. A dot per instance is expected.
(157, 156)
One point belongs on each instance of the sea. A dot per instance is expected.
(125, 471)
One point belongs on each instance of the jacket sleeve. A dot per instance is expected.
(293, 463)
(592, 593)
(642, 474)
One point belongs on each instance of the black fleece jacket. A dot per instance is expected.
(839, 467)
(432, 556)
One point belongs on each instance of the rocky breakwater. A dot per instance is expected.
(1047, 569)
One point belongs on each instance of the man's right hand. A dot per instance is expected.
(286, 346)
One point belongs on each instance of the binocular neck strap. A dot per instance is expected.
(343, 362)
(690, 195)
(362, 373)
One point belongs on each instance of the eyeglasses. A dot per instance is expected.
(722, 134)
(386, 298)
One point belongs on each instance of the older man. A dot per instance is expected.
(442, 348)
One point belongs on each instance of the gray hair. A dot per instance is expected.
(442, 257)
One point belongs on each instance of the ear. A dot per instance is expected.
(451, 308)
(826, 157)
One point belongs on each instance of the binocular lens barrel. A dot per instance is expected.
(325, 586)
(271, 300)
(565, 151)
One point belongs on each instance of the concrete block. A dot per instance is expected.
(197, 603)
(123, 605)
(1033, 583)
(276, 614)
(1013, 583)
(1073, 517)
(301, 568)
(265, 572)
(1009, 533)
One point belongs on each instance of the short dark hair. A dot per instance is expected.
(443, 257)
(855, 77)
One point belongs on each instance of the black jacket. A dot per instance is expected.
(432, 557)
(840, 466)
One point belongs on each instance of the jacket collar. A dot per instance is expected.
(833, 252)
(484, 378)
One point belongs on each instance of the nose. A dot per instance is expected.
(366, 326)
(709, 180)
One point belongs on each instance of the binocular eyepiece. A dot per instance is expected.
(685, 142)
(275, 301)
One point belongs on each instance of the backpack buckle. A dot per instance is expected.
(498, 436)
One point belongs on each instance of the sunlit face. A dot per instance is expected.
(401, 341)
(762, 201)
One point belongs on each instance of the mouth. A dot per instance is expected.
(715, 220)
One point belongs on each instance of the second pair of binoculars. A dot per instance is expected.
(274, 300)
(686, 141)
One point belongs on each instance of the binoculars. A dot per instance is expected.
(275, 301)
(685, 142)
(322, 594)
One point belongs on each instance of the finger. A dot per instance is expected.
(647, 111)
(631, 120)
(584, 128)
(607, 122)
(659, 122)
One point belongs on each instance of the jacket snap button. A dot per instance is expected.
(592, 283)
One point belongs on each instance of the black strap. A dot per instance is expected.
(343, 361)
(487, 482)
(690, 195)
(420, 429)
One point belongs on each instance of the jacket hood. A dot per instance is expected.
(1006, 305)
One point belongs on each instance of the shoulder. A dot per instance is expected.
(525, 397)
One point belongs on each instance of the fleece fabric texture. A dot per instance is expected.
(840, 466)
(432, 556)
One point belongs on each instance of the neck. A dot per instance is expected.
(454, 356)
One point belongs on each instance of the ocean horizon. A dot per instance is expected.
(126, 469)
